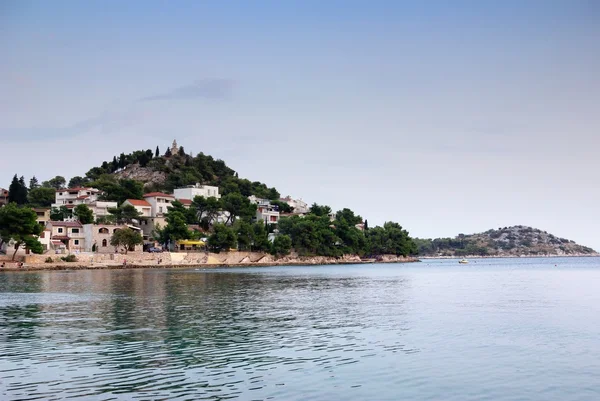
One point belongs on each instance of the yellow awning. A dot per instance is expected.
(191, 242)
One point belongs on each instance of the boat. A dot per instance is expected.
(463, 261)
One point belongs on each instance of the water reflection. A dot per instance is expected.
(158, 334)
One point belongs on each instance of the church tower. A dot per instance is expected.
(174, 148)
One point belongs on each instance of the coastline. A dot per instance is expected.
(582, 255)
(208, 261)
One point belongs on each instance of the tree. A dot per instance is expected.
(181, 151)
(125, 214)
(84, 214)
(33, 183)
(168, 153)
(19, 224)
(157, 153)
(57, 182)
(261, 237)
(17, 191)
(118, 190)
(282, 245)
(320, 210)
(60, 214)
(282, 206)
(206, 209)
(127, 238)
(366, 227)
(237, 206)
(77, 182)
(245, 235)
(223, 238)
(176, 228)
(41, 197)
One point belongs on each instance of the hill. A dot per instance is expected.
(507, 241)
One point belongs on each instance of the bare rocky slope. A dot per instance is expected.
(502, 242)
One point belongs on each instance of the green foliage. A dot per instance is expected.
(118, 190)
(238, 205)
(77, 182)
(57, 182)
(31, 243)
(188, 213)
(49, 260)
(69, 258)
(33, 183)
(260, 238)
(391, 239)
(311, 235)
(320, 210)
(223, 238)
(17, 191)
(60, 214)
(125, 214)
(245, 235)
(41, 196)
(206, 210)
(126, 238)
(283, 206)
(281, 245)
(84, 214)
(176, 228)
(19, 223)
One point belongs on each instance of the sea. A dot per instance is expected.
(519, 329)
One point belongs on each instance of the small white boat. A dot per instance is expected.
(463, 261)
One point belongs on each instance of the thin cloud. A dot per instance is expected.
(206, 88)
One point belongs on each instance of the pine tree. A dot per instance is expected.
(366, 227)
(168, 153)
(33, 183)
(22, 191)
(115, 164)
(157, 153)
(181, 151)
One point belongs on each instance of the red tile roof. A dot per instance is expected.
(138, 202)
(65, 223)
(155, 194)
(59, 237)
(83, 197)
(185, 201)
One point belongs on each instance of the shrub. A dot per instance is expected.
(69, 258)
(49, 260)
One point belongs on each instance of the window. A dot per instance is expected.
(115, 230)
(104, 243)
(273, 218)
(74, 231)
(60, 230)
(76, 242)
(160, 209)
(60, 193)
(103, 230)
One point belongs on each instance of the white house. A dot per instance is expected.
(298, 204)
(191, 191)
(159, 203)
(72, 197)
(265, 212)
(142, 206)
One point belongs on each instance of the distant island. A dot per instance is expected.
(502, 242)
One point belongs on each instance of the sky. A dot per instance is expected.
(447, 117)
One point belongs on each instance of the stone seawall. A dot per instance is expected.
(182, 259)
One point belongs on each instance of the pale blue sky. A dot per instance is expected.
(445, 118)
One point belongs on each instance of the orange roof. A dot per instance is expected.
(185, 201)
(138, 202)
(155, 194)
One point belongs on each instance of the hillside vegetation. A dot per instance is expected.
(507, 241)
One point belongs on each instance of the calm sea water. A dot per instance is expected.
(509, 329)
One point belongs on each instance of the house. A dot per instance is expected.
(72, 197)
(142, 206)
(187, 203)
(159, 204)
(191, 191)
(97, 237)
(66, 234)
(43, 215)
(298, 205)
(3, 197)
(265, 212)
